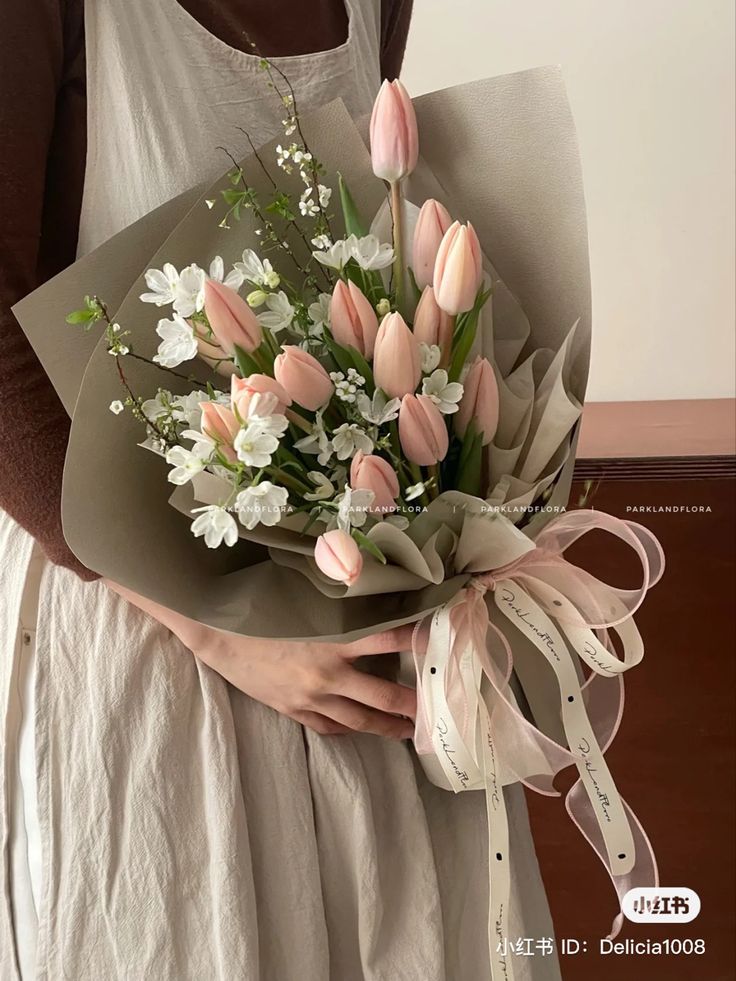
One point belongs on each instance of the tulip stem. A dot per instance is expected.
(288, 480)
(298, 420)
(397, 213)
(434, 474)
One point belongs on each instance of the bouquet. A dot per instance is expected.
(365, 426)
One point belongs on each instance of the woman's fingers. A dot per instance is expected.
(378, 693)
(361, 718)
(319, 723)
(386, 642)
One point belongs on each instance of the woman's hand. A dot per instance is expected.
(315, 684)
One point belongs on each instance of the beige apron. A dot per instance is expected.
(182, 830)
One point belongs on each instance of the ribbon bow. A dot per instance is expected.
(471, 731)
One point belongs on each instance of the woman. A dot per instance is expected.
(163, 823)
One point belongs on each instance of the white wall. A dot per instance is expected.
(651, 83)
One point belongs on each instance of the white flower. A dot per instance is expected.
(317, 442)
(256, 298)
(279, 315)
(178, 342)
(254, 445)
(319, 314)
(378, 410)
(186, 463)
(323, 487)
(430, 355)
(307, 207)
(337, 255)
(186, 408)
(189, 291)
(345, 388)
(262, 504)
(117, 407)
(234, 278)
(369, 253)
(348, 439)
(353, 508)
(445, 394)
(257, 271)
(325, 193)
(216, 524)
(416, 490)
(322, 242)
(162, 283)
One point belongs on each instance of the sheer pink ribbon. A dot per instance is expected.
(584, 609)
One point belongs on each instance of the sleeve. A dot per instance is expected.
(395, 20)
(42, 119)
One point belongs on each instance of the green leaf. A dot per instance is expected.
(468, 476)
(246, 364)
(370, 546)
(340, 354)
(417, 293)
(80, 317)
(354, 224)
(363, 368)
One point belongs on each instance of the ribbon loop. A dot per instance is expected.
(471, 732)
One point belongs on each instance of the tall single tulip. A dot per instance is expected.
(393, 132)
(220, 424)
(433, 221)
(352, 318)
(373, 473)
(479, 401)
(397, 365)
(338, 556)
(232, 321)
(432, 325)
(244, 390)
(303, 377)
(422, 430)
(458, 270)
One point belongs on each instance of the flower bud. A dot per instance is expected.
(431, 325)
(353, 320)
(433, 221)
(244, 390)
(373, 473)
(479, 401)
(232, 321)
(397, 366)
(422, 430)
(393, 132)
(220, 424)
(458, 270)
(303, 377)
(338, 556)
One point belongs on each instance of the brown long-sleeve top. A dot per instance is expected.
(42, 159)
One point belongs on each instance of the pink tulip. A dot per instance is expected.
(244, 390)
(303, 377)
(433, 221)
(220, 424)
(373, 473)
(338, 556)
(232, 321)
(397, 365)
(422, 430)
(394, 136)
(431, 325)
(352, 318)
(479, 401)
(458, 270)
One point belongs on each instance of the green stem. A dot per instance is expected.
(397, 213)
(288, 480)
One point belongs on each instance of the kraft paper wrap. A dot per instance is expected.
(502, 152)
